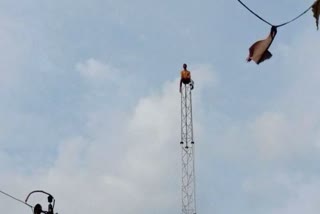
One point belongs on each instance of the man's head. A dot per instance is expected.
(184, 66)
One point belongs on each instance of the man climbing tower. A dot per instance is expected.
(186, 77)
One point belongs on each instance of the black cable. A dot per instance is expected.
(283, 24)
(295, 17)
(255, 13)
(35, 191)
(10, 196)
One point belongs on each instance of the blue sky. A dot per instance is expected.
(90, 105)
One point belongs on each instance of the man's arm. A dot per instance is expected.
(180, 85)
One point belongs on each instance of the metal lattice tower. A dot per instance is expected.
(188, 188)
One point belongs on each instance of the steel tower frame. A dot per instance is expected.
(188, 188)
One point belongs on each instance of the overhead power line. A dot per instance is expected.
(16, 199)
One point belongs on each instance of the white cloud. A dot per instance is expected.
(95, 70)
(272, 134)
(132, 170)
(283, 192)
(304, 198)
(128, 162)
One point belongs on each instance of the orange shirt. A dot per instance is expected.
(185, 74)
